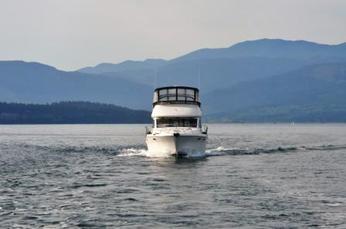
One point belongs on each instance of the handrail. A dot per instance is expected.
(178, 87)
(177, 102)
(205, 129)
(147, 130)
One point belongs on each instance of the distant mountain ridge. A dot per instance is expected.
(224, 67)
(150, 64)
(314, 93)
(37, 83)
(271, 48)
(261, 80)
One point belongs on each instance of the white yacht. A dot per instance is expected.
(177, 128)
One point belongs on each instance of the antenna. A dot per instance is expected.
(199, 75)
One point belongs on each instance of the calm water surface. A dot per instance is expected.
(254, 176)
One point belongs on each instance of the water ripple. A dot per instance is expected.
(253, 177)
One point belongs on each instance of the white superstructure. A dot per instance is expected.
(177, 128)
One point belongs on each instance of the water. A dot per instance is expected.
(254, 176)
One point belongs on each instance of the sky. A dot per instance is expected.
(71, 34)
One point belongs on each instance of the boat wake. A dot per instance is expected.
(141, 151)
(128, 152)
(221, 151)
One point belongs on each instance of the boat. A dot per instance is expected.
(177, 125)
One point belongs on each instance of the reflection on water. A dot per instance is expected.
(102, 176)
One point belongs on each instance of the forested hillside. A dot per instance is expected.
(69, 113)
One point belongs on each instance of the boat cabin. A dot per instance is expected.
(176, 106)
(176, 95)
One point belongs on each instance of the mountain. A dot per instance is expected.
(37, 83)
(212, 74)
(209, 74)
(273, 48)
(143, 72)
(261, 80)
(212, 69)
(128, 65)
(69, 113)
(313, 93)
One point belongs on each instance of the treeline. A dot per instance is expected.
(70, 113)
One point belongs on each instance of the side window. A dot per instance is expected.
(190, 95)
(163, 95)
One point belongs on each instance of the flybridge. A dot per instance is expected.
(176, 95)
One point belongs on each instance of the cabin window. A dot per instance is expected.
(176, 122)
(181, 98)
(181, 91)
(176, 95)
(156, 97)
(190, 95)
(172, 91)
(163, 95)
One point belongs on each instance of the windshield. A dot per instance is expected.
(176, 95)
(176, 122)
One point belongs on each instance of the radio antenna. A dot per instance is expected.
(199, 76)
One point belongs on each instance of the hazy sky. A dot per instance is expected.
(70, 34)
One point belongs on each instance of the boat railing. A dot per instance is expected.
(148, 130)
(204, 129)
(177, 102)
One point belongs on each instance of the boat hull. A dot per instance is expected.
(177, 145)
